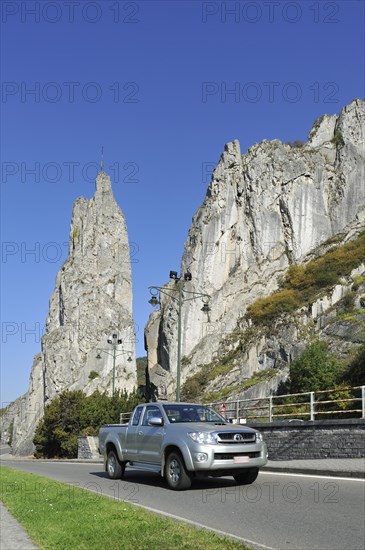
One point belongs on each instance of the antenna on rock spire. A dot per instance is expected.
(102, 159)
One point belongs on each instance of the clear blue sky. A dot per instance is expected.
(150, 81)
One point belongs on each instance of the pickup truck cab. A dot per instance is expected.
(182, 441)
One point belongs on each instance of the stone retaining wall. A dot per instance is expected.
(290, 440)
(87, 448)
(316, 439)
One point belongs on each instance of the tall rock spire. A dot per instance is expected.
(92, 301)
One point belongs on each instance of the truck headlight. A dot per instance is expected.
(205, 438)
(259, 437)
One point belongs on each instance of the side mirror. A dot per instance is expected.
(155, 421)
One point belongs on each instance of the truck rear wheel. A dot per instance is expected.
(114, 468)
(245, 478)
(176, 474)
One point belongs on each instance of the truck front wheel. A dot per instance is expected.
(175, 472)
(114, 468)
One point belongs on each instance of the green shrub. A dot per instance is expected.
(265, 309)
(93, 374)
(341, 396)
(194, 386)
(316, 369)
(297, 144)
(358, 280)
(298, 278)
(71, 413)
(338, 139)
(317, 122)
(324, 276)
(255, 379)
(347, 303)
(141, 364)
(302, 283)
(354, 375)
(75, 233)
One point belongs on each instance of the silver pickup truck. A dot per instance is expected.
(182, 441)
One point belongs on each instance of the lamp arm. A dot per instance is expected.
(112, 353)
(163, 291)
(105, 351)
(196, 295)
(169, 291)
(123, 353)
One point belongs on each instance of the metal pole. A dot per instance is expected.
(363, 401)
(312, 405)
(270, 408)
(192, 296)
(179, 327)
(114, 348)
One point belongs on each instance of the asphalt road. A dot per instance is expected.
(278, 511)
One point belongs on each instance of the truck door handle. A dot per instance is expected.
(140, 433)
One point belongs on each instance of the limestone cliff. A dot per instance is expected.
(92, 300)
(270, 207)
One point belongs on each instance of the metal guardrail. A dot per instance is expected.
(310, 405)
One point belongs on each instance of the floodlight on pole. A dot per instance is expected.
(182, 296)
(115, 342)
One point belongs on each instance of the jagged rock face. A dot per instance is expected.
(30, 411)
(92, 300)
(8, 416)
(270, 207)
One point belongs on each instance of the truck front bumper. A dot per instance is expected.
(219, 458)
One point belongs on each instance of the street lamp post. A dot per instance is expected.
(115, 342)
(182, 296)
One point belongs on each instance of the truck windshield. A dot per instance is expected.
(192, 413)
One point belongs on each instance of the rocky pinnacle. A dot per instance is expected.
(91, 301)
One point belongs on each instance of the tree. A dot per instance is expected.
(355, 373)
(100, 408)
(141, 369)
(316, 369)
(73, 413)
(56, 434)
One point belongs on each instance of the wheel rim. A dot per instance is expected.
(174, 470)
(111, 465)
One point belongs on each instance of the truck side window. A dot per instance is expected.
(149, 413)
(137, 416)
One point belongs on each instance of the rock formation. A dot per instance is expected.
(264, 210)
(92, 300)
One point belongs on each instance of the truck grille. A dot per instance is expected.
(229, 456)
(236, 437)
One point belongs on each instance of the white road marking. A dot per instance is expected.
(317, 476)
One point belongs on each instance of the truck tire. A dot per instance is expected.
(176, 475)
(245, 478)
(114, 468)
